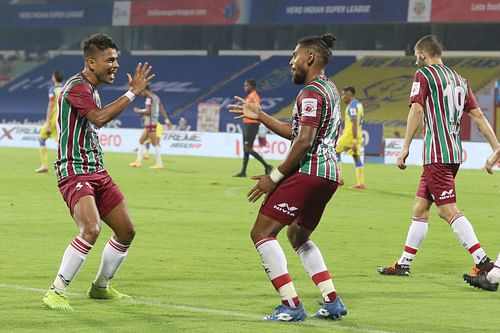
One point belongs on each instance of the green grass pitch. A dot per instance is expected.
(193, 267)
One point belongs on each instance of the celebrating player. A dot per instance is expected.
(49, 127)
(297, 191)
(250, 129)
(488, 281)
(352, 136)
(441, 96)
(89, 192)
(150, 115)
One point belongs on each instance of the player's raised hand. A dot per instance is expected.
(403, 154)
(141, 78)
(244, 109)
(264, 186)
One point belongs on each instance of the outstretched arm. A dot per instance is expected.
(252, 110)
(137, 84)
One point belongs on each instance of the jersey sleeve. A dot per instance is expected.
(310, 104)
(353, 110)
(51, 94)
(80, 98)
(470, 101)
(419, 89)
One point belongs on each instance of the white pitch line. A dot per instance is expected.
(220, 312)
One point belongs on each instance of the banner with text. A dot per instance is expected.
(327, 11)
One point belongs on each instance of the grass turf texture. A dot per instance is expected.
(193, 267)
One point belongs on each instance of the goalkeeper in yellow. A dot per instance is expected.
(350, 140)
(49, 127)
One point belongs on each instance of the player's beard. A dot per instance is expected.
(299, 77)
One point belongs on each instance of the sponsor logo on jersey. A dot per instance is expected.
(415, 89)
(309, 107)
(285, 208)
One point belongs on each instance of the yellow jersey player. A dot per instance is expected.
(49, 127)
(352, 136)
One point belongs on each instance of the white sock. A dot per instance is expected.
(275, 264)
(72, 260)
(113, 256)
(156, 150)
(414, 238)
(313, 262)
(140, 152)
(465, 233)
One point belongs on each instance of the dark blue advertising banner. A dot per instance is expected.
(86, 13)
(328, 11)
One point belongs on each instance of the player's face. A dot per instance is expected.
(298, 65)
(346, 96)
(248, 88)
(420, 58)
(105, 65)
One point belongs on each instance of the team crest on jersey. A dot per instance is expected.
(415, 89)
(309, 107)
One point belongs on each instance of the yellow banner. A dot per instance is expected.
(383, 85)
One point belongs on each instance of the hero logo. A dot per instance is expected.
(285, 208)
(447, 195)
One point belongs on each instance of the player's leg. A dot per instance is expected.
(44, 164)
(156, 149)
(441, 180)
(321, 191)
(359, 170)
(253, 129)
(86, 217)
(416, 233)
(114, 213)
(141, 150)
(263, 234)
(246, 154)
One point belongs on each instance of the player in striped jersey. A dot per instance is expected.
(491, 280)
(89, 192)
(440, 96)
(297, 191)
(150, 115)
(49, 129)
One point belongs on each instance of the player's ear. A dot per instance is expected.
(310, 58)
(90, 63)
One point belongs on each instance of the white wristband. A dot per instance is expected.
(276, 176)
(130, 95)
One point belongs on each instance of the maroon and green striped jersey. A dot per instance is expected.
(318, 105)
(444, 95)
(79, 151)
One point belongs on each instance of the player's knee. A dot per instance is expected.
(90, 232)
(247, 149)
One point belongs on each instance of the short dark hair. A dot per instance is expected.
(251, 82)
(431, 45)
(97, 42)
(350, 89)
(322, 44)
(58, 75)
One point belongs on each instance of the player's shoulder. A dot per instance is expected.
(354, 103)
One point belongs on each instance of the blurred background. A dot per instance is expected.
(202, 51)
